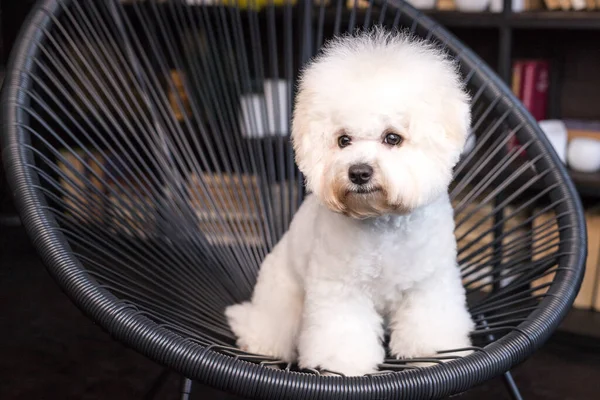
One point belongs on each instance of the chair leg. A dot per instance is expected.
(512, 386)
(157, 384)
(186, 388)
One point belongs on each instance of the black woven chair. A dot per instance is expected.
(147, 146)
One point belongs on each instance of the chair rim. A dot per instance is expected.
(204, 364)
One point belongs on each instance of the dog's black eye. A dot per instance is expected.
(344, 141)
(392, 139)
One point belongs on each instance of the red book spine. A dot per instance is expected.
(527, 91)
(525, 76)
(517, 78)
(540, 90)
(535, 88)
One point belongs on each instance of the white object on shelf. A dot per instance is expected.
(277, 95)
(253, 116)
(267, 113)
(496, 6)
(422, 4)
(556, 132)
(472, 5)
(583, 154)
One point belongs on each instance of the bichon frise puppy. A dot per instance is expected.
(379, 124)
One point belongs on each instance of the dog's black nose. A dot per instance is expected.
(360, 174)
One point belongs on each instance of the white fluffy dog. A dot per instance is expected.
(380, 121)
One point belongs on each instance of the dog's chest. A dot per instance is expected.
(400, 253)
(383, 257)
(397, 253)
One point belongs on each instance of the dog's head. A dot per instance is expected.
(379, 123)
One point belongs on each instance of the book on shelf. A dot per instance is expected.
(234, 209)
(446, 5)
(253, 4)
(81, 184)
(589, 293)
(582, 129)
(476, 234)
(357, 3)
(544, 248)
(526, 5)
(95, 189)
(564, 5)
(530, 84)
(588, 297)
(179, 96)
(572, 5)
(531, 81)
(475, 239)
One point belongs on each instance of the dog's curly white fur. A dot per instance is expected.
(369, 251)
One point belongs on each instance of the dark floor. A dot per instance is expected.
(49, 350)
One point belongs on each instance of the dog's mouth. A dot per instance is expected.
(364, 190)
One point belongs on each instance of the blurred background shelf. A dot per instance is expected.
(456, 19)
(576, 20)
(588, 184)
(572, 20)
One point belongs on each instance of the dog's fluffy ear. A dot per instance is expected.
(457, 122)
(453, 106)
(300, 127)
(443, 132)
(457, 110)
(303, 139)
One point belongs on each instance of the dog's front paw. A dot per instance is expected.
(350, 355)
(409, 344)
(406, 346)
(257, 333)
(344, 362)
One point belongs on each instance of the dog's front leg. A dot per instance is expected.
(431, 317)
(341, 331)
(268, 323)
